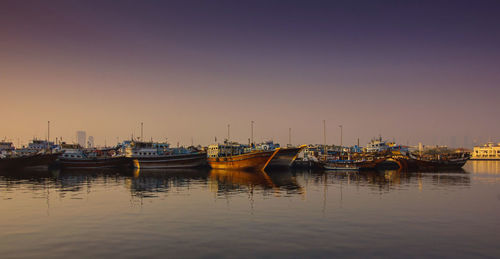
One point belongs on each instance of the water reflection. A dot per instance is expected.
(225, 182)
(147, 183)
(485, 171)
(150, 183)
(485, 167)
(93, 212)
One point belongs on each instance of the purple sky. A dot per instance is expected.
(409, 70)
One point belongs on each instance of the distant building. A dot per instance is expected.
(466, 142)
(453, 141)
(81, 138)
(90, 142)
(489, 151)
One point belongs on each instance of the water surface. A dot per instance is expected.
(203, 213)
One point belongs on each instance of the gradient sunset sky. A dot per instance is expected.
(412, 71)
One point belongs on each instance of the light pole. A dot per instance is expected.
(340, 126)
(324, 136)
(290, 137)
(251, 132)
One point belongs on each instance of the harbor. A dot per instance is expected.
(249, 129)
(179, 210)
(232, 155)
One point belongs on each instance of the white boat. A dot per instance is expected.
(161, 156)
(344, 166)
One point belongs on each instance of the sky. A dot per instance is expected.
(410, 71)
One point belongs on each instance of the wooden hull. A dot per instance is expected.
(369, 165)
(111, 162)
(354, 165)
(171, 161)
(306, 164)
(38, 160)
(284, 158)
(437, 164)
(249, 161)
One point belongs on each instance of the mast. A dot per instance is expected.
(340, 126)
(290, 136)
(48, 132)
(324, 137)
(141, 131)
(251, 133)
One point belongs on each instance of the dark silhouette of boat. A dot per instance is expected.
(285, 157)
(75, 157)
(95, 162)
(439, 163)
(28, 161)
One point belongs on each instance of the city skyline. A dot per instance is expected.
(336, 138)
(413, 72)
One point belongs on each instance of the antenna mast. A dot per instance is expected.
(251, 132)
(141, 131)
(290, 136)
(324, 136)
(340, 126)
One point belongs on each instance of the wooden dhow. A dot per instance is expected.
(29, 161)
(255, 160)
(75, 157)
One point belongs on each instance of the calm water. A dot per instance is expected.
(237, 214)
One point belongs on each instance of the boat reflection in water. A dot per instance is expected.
(233, 181)
(150, 182)
(147, 183)
(388, 180)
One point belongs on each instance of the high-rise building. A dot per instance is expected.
(90, 142)
(453, 141)
(81, 138)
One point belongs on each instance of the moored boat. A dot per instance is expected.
(234, 156)
(285, 157)
(255, 160)
(439, 163)
(341, 165)
(76, 157)
(28, 161)
(160, 156)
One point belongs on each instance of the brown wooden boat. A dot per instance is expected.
(191, 160)
(438, 164)
(37, 160)
(256, 160)
(95, 162)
